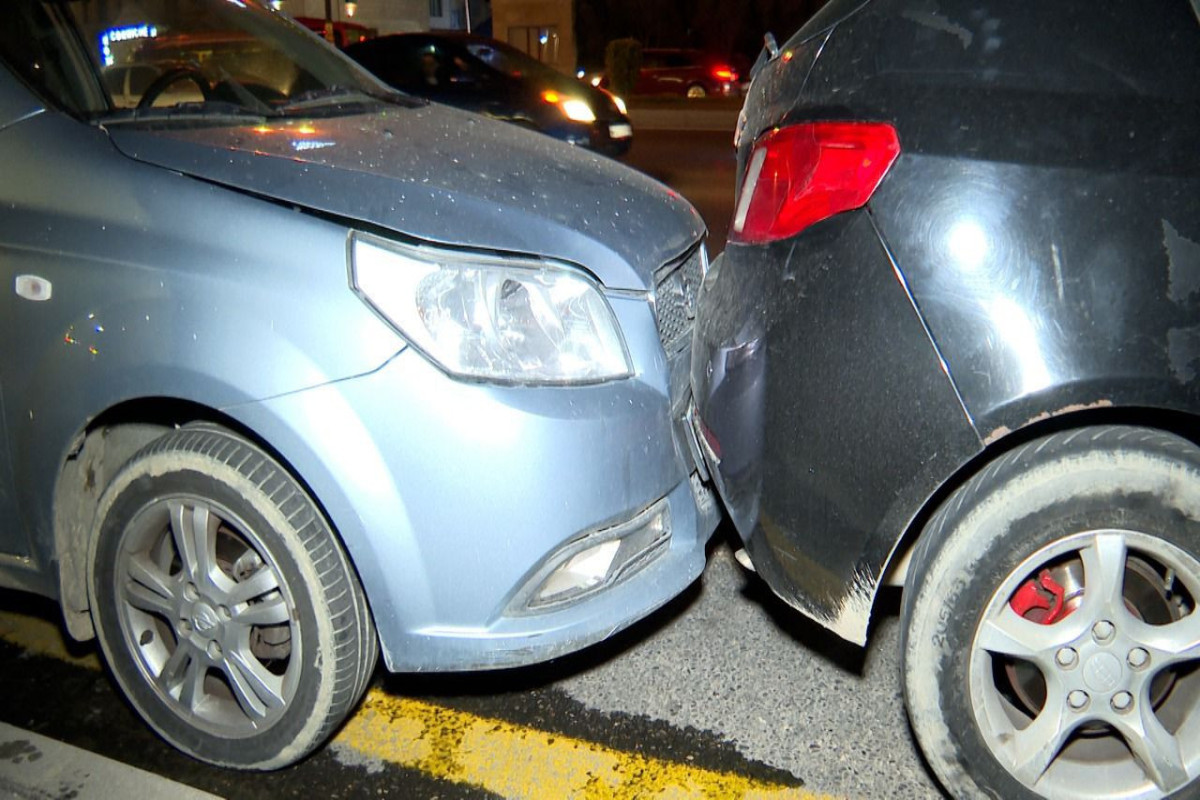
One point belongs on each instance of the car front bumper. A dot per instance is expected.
(456, 499)
(610, 136)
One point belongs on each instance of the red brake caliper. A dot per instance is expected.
(1041, 599)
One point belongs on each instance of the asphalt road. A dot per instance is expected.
(723, 693)
(699, 165)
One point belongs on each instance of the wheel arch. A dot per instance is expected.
(97, 453)
(894, 571)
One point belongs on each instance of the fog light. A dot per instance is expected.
(599, 559)
(581, 572)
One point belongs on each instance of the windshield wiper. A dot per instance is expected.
(213, 112)
(334, 95)
(315, 98)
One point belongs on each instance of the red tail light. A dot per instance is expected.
(805, 173)
(724, 73)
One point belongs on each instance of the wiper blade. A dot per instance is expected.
(320, 97)
(333, 95)
(211, 112)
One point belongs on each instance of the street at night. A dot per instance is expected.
(724, 693)
(599, 400)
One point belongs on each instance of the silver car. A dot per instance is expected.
(295, 369)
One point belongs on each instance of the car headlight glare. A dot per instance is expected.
(577, 110)
(490, 318)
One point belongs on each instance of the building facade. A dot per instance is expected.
(385, 16)
(543, 28)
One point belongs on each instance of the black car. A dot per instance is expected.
(492, 78)
(954, 343)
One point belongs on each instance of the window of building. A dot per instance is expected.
(539, 41)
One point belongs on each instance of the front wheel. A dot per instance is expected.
(225, 606)
(1052, 638)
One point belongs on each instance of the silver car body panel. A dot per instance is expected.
(424, 172)
(16, 103)
(205, 277)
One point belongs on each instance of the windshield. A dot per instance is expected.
(165, 59)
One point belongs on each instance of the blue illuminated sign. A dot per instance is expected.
(125, 33)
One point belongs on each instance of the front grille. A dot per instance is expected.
(675, 298)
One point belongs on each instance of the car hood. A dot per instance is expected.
(439, 175)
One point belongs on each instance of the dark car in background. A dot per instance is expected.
(686, 72)
(497, 80)
(954, 343)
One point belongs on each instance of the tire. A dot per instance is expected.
(248, 650)
(696, 91)
(1020, 687)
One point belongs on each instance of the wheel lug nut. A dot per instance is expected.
(214, 650)
(1138, 658)
(1066, 657)
(1122, 701)
(185, 626)
(190, 592)
(1077, 699)
(224, 612)
(1103, 630)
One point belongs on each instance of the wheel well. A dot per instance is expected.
(97, 454)
(1179, 423)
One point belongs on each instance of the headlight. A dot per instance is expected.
(490, 318)
(577, 110)
(620, 105)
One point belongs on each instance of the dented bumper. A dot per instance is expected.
(820, 466)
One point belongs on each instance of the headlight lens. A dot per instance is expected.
(577, 110)
(620, 105)
(490, 318)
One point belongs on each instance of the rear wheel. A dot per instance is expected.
(696, 91)
(1052, 638)
(224, 604)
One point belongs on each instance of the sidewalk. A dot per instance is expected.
(33, 767)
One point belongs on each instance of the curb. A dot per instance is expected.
(34, 767)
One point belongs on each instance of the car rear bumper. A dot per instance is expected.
(824, 410)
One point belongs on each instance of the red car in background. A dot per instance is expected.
(344, 33)
(691, 73)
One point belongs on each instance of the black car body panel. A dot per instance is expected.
(839, 460)
(1033, 253)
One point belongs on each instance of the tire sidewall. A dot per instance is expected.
(980, 538)
(162, 474)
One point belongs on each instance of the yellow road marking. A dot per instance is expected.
(520, 762)
(510, 760)
(37, 635)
